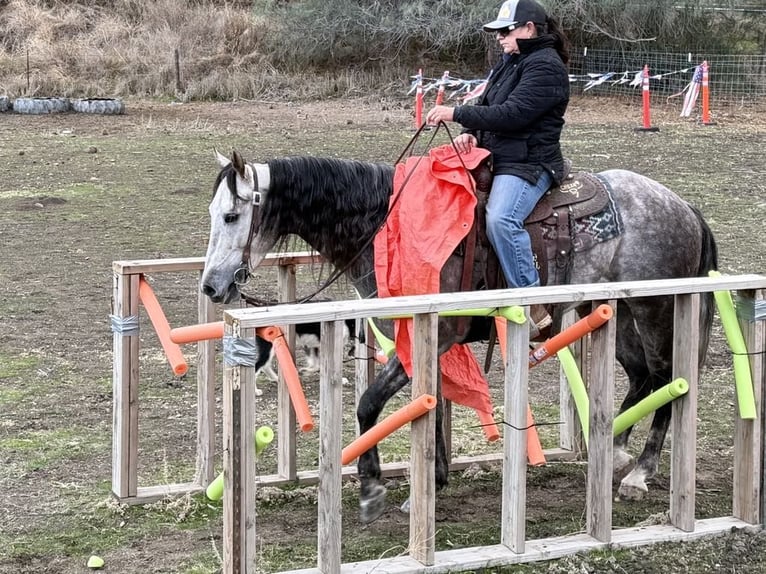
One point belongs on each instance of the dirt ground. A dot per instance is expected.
(78, 192)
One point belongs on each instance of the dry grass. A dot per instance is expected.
(129, 47)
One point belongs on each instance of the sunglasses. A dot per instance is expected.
(503, 32)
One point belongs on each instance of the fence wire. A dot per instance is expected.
(735, 80)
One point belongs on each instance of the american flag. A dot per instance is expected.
(692, 91)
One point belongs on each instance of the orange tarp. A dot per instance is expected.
(432, 210)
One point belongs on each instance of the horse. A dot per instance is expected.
(337, 205)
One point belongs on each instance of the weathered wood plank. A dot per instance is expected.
(287, 448)
(481, 558)
(174, 264)
(601, 395)
(206, 375)
(748, 469)
(425, 369)
(514, 501)
(330, 432)
(683, 452)
(336, 310)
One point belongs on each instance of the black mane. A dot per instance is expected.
(335, 205)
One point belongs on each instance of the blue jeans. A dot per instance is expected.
(511, 200)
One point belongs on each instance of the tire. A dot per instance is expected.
(40, 105)
(5, 104)
(99, 106)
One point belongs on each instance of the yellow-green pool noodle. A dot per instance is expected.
(95, 562)
(648, 405)
(576, 387)
(263, 438)
(742, 377)
(386, 345)
(513, 313)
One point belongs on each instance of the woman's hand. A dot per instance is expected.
(464, 143)
(439, 114)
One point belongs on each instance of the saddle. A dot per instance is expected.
(552, 225)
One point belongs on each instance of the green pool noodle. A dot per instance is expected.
(513, 313)
(95, 562)
(386, 345)
(743, 380)
(576, 387)
(648, 405)
(263, 437)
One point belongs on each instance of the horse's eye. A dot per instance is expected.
(231, 217)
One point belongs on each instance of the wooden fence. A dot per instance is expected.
(239, 418)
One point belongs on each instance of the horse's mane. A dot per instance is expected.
(334, 204)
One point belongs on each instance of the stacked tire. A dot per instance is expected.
(106, 106)
(40, 105)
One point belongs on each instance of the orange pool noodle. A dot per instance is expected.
(535, 454)
(161, 326)
(489, 426)
(593, 321)
(287, 367)
(418, 407)
(195, 333)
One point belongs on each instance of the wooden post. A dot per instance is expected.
(286, 423)
(746, 503)
(330, 433)
(514, 504)
(600, 448)
(425, 369)
(239, 470)
(206, 375)
(125, 390)
(683, 424)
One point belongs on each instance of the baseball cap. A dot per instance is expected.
(515, 12)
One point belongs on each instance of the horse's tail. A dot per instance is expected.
(708, 262)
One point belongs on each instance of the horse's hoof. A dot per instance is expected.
(405, 507)
(373, 504)
(631, 491)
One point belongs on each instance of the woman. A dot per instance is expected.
(519, 119)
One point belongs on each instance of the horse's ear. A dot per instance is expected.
(238, 163)
(222, 160)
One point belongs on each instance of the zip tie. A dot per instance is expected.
(238, 352)
(127, 326)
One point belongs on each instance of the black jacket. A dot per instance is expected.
(521, 113)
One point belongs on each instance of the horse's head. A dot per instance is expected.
(237, 242)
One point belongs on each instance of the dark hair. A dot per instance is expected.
(553, 28)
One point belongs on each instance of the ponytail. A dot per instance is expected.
(561, 44)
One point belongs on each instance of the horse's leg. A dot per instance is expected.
(654, 322)
(389, 381)
(630, 354)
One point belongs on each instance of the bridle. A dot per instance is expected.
(260, 186)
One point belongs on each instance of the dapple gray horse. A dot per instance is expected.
(336, 206)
